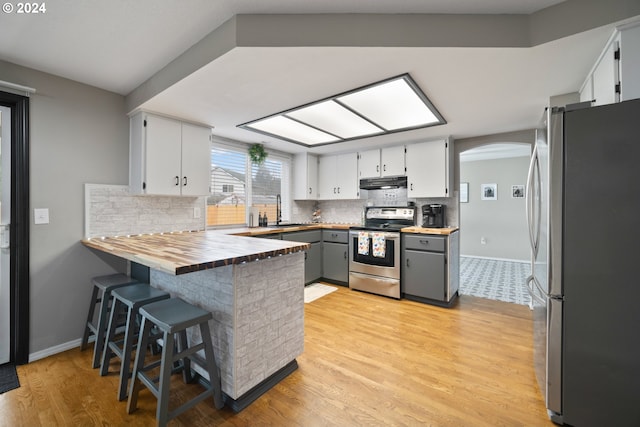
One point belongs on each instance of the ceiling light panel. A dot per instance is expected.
(283, 127)
(393, 105)
(335, 119)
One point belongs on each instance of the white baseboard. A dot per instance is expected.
(496, 259)
(54, 350)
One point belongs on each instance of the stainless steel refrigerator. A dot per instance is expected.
(583, 210)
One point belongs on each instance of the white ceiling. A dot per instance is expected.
(119, 44)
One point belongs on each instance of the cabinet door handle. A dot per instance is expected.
(384, 168)
(377, 168)
(309, 190)
(338, 190)
(411, 187)
(407, 262)
(345, 254)
(184, 181)
(334, 190)
(177, 180)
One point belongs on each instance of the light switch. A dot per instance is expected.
(41, 216)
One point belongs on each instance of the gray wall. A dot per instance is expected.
(501, 222)
(78, 134)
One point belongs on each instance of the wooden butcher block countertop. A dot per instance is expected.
(284, 228)
(184, 252)
(422, 230)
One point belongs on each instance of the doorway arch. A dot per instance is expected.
(499, 223)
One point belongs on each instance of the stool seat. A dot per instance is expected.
(102, 288)
(129, 298)
(172, 317)
(174, 314)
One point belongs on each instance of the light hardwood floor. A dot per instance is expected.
(368, 361)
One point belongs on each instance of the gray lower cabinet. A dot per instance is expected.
(313, 256)
(335, 256)
(429, 269)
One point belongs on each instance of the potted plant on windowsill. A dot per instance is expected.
(257, 154)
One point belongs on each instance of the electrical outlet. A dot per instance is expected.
(196, 213)
(483, 240)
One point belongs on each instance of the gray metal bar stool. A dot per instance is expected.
(130, 298)
(102, 287)
(173, 317)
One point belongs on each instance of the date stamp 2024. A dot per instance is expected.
(30, 8)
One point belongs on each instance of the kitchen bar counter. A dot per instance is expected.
(253, 287)
(185, 252)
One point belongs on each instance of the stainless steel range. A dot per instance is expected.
(374, 249)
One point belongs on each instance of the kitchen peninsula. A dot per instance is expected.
(253, 287)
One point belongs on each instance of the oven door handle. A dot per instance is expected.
(387, 236)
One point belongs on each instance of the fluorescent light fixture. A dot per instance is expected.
(335, 118)
(293, 130)
(393, 105)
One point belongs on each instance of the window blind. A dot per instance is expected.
(236, 184)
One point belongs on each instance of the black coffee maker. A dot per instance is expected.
(433, 216)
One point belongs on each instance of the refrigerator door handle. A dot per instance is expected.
(529, 202)
(531, 283)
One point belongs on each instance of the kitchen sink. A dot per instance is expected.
(292, 224)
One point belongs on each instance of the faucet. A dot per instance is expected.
(278, 209)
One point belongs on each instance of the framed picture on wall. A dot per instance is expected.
(489, 191)
(464, 192)
(517, 191)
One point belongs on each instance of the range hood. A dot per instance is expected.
(383, 183)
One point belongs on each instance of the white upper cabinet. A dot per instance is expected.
(429, 169)
(369, 164)
(616, 75)
(393, 161)
(305, 183)
(338, 177)
(168, 157)
(380, 163)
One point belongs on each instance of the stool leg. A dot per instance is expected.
(162, 410)
(127, 348)
(100, 328)
(214, 376)
(187, 377)
(134, 388)
(92, 308)
(111, 333)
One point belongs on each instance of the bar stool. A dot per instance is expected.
(173, 316)
(102, 287)
(130, 298)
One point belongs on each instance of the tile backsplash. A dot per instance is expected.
(350, 211)
(111, 211)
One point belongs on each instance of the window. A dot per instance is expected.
(232, 193)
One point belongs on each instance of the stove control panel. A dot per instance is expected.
(401, 213)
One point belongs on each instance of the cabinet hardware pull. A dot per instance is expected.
(411, 188)
(334, 190)
(184, 181)
(377, 168)
(407, 262)
(338, 190)
(424, 242)
(384, 168)
(309, 190)
(345, 254)
(177, 180)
